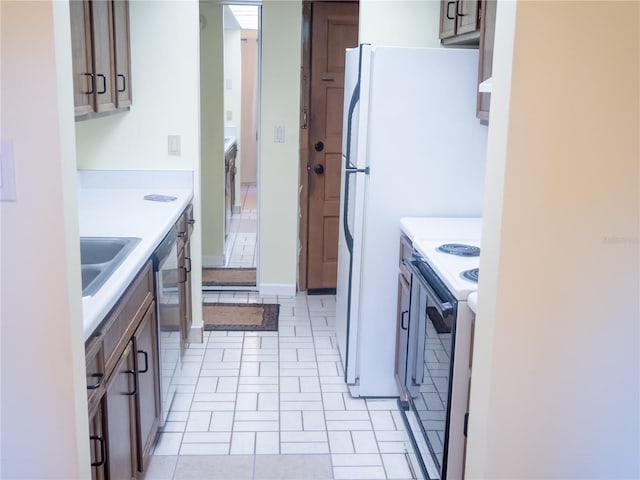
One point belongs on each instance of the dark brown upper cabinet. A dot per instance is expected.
(101, 56)
(460, 22)
(487, 33)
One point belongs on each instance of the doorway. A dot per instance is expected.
(230, 113)
(332, 27)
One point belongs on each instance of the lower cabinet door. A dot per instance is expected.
(120, 413)
(148, 398)
(97, 443)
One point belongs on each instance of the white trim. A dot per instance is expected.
(210, 261)
(196, 334)
(280, 289)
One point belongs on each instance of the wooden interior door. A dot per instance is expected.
(334, 28)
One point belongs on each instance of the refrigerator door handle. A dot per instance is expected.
(355, 98)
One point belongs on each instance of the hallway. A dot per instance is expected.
(243, 231)
(274, 405)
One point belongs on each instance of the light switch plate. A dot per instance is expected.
(278, 134)
(174, 145)
(7, 172)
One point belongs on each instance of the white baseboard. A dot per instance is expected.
(212, 261)
(196, 334)
(282, 289)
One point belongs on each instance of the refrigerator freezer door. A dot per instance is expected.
(352, 209)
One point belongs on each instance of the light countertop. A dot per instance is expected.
(111, 204)
(441, 228)
(472, 300)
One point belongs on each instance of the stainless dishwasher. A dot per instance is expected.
(165, 267)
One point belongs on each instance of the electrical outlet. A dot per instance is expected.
(174, 145)
(278, 134)
(229, 84)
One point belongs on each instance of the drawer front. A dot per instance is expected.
(124, 318)
(95, 369)
(405, 252)
(185, 226)
(188, 213)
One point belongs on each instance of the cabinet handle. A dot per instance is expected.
(135, 382)
(146, 362)
(188, 259)
(184, 269)
(104, 84)
(449, 4)
(93, 83)
(402, 320)
(124, 82)
(458, 10)
(191, 221)
(99, 376)
(182, 234)
(103, 455)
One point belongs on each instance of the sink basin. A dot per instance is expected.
(99, 258)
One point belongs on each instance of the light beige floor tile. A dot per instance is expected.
(293, 467)
(214, 467)
(359, 473)
(396, 466)
(161, 467)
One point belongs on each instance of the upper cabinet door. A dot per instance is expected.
(103, 54)
(83, 75)
(447, 19)
(460, 22)
(122, 53)
(467, 16)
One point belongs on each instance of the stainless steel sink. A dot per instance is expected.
(99, 257)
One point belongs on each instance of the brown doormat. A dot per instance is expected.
(241, 316)
(239, 277)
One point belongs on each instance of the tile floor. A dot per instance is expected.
(241, 240)
(273, 405)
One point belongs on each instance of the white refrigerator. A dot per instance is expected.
(412, 146)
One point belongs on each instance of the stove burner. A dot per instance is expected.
(459, 249)
(471, 275)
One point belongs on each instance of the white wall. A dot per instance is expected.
(400, 23)
(165, 87)
(212, 118)
(279, 162)
(43, 405)
(556, 375)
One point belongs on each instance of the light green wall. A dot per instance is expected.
(279, 162)
(166, 101)
(400, 23)
(212, 136)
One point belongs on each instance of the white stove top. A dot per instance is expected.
(449, 267)
(434, 228)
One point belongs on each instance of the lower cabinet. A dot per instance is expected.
(98, 446)
(120, 418)
(145, 343)
(124, 397)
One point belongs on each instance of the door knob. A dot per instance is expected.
(318, 168)
(319, 146)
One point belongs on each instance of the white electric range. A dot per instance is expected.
(445, 258)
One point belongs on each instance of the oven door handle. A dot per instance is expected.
(444, 307)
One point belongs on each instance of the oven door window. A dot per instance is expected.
(434, 362)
